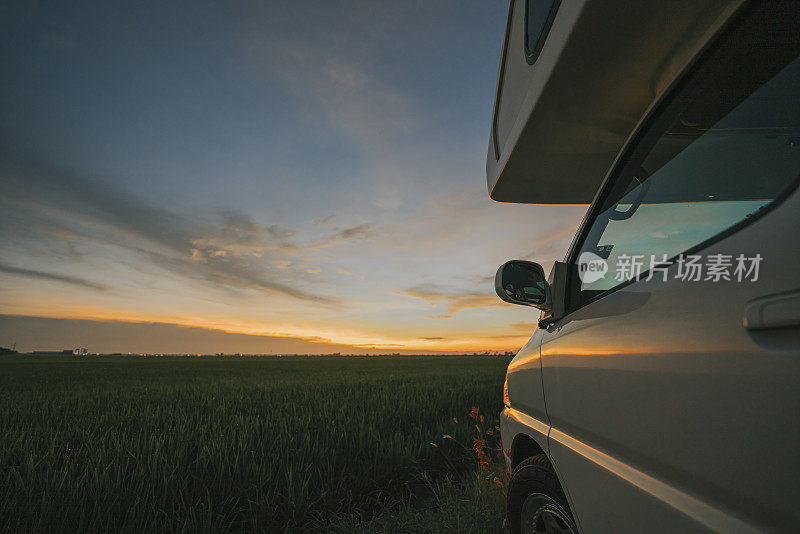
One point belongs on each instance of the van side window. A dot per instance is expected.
(539, 15)
(722, 148)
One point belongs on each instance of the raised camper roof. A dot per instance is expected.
(576, 76)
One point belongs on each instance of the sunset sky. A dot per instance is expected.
(282, 177)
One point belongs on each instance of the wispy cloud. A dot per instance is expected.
(56, 277)
(343, 93)
(361, 106)
(552, 244)
(354, 233)
(225, 253)
(453, 299)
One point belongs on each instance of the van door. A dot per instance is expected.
(672, 382)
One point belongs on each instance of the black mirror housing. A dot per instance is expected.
(523, 282)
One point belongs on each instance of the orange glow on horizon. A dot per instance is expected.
(347, 339)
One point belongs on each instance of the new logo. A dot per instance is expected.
(591, 267)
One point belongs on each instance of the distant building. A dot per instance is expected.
(78, 352)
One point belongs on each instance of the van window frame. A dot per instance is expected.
(640, 133)
(532, 52)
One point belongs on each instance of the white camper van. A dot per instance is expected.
(661, 391)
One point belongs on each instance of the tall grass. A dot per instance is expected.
(242, 444)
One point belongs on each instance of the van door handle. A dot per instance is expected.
(773, 311)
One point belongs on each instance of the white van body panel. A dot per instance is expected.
(696, 401)
(679, 431)
(526, 379)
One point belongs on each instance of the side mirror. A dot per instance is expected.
(523, 282)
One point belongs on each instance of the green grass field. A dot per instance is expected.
(217, 444)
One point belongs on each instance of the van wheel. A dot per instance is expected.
(536, 503)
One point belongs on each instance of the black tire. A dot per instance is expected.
(536, 479)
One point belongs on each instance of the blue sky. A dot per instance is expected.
(305, 171)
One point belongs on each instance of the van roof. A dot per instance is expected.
(559, 123)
